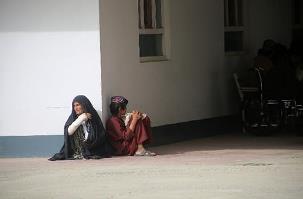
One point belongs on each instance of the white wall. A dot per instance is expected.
(46, 47)
(190, 85)
(196, 82)
(49, 53)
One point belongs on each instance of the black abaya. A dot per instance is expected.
(96, 145)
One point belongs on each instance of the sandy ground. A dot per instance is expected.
(233, 166)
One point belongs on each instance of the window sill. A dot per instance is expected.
(236, 53)
(233, 28)
(153, 59)
(151, 31)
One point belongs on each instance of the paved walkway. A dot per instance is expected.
(227, 166)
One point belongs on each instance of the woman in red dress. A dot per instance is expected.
(128, 132)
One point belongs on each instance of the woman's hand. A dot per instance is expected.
(136, 115)
(85, 117)
(88, 115)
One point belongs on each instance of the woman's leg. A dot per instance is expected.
(147, 126)
(142, 133)
(143, 136)
(77, 143)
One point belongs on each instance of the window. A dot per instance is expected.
(234, 26)
(297, 12)
(151, 30)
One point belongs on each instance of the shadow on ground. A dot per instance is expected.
(236, 141)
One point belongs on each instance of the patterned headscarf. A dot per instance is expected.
(119, 100)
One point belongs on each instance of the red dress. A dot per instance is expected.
(123, 139)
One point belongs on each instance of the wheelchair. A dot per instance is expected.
(265, 115)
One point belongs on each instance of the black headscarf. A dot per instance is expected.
(96, 144)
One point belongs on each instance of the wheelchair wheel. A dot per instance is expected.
(262, 120)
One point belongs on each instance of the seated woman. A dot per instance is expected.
(84, 134)
(128, 132)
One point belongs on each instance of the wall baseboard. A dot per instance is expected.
(47, 145)
(172, 133)
(30, 146)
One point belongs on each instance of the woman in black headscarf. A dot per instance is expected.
(84, 134)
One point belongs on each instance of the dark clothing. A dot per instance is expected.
(78, 143)
(123, 139)
(278, 73)
(96, 144)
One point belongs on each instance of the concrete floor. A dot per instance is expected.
(226, 166)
